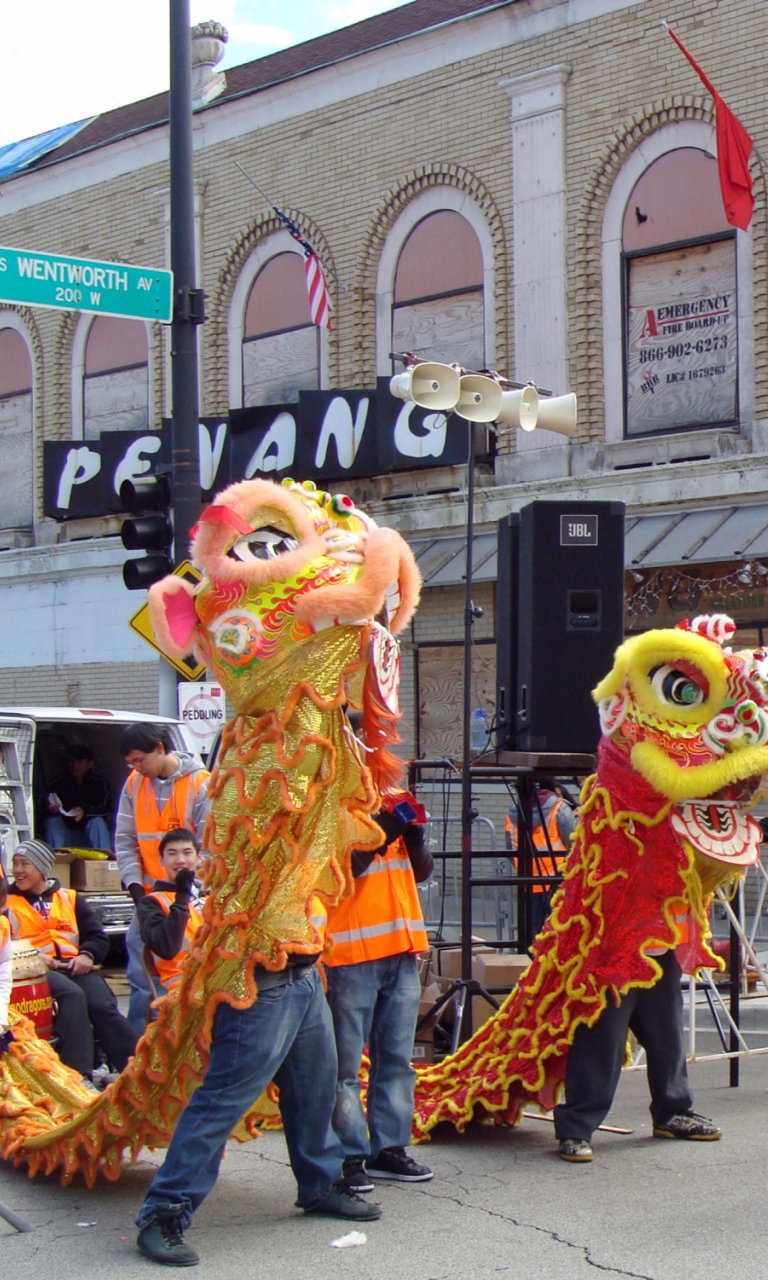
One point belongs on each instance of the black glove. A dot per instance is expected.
(137, 893)
(6, 1040)
(184, 881)
(391, 824)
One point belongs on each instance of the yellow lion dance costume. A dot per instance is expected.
(295, 615)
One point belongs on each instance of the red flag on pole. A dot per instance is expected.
(734, 147)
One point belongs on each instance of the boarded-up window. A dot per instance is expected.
(116, 377)
(16, 479)
(438, 295)
(681, 347)
(441, 695)
(280, 343)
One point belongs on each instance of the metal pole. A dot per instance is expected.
(467, 808)
(188, 311)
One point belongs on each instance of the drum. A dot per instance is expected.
(30, 993)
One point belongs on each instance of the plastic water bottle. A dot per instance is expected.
(479, 729)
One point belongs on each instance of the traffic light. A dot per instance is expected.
(148, 528)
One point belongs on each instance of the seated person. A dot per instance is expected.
(78, 805)
(6, 960)
(169, 916)
(65, 931)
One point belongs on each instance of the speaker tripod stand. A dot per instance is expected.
(465, 991)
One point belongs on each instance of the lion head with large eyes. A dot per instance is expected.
(691, 715)
(281, 563)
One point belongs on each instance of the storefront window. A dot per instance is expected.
(680, 341)
(115, 377)
(281, 354)
(16, 471)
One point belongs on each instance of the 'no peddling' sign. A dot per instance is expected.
(201, 707)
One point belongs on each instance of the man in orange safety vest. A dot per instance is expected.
(373, 939)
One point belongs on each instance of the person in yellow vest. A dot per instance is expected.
(169, 916)
(65, 931)
(373, 939)
(554, 823)
(166, 789)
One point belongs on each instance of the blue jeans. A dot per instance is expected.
(286, 1036)
(140, 994)
(94, 834)
(376, 1003)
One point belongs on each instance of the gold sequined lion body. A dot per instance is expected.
(295, 615)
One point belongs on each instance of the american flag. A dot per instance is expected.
(320, 305)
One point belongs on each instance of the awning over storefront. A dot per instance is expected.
(709, 535)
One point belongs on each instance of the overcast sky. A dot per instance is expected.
(63, 60)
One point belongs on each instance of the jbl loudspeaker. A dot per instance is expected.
(561, 603)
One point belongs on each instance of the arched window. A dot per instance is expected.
(281, 346)
(437, 303)
(16, 469)
(681, 357)
(115, 377)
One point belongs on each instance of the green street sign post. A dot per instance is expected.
(35, 279)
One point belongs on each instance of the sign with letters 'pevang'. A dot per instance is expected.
(329, 436)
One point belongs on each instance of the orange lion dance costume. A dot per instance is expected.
(662, 825)
(290, 617)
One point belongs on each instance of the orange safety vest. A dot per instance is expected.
(5, 931)
(169, 971)
(151, 824)
(545, 864)
(382, 917)
(56, 936)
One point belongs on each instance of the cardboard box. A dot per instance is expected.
(61, 868)
(449, 958)
(94, 875)
(499, 968)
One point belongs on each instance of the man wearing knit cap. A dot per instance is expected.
(64, 930)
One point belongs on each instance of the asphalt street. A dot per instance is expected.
(501, 1205)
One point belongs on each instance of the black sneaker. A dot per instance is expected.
(354, 1177)
(396, 1165)
(162, 1239)
(340, 1202)
(692, 1127)
(575, 1150)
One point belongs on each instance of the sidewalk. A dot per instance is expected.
(501, 1205)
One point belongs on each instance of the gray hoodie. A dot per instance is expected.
(126, 844)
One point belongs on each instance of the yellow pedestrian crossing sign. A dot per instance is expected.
(141, 623)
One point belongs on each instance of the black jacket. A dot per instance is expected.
(164, 934)
(92, 940)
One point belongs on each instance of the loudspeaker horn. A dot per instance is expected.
(431, 386)
(520, 408)
(479, 398)
(558, 413)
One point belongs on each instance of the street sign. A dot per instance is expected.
(141, 623)
(33, 279)
(201, 708)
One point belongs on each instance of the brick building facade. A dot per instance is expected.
(512, 146)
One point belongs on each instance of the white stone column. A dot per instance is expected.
(539, 298)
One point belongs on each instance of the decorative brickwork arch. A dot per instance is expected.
(425, 178)
(586, 317)
(218, 353)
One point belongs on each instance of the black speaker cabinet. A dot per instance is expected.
(507, 555)
(570, 615)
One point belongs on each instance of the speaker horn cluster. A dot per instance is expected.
(477, 397)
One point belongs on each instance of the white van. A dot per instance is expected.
(34, 742)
